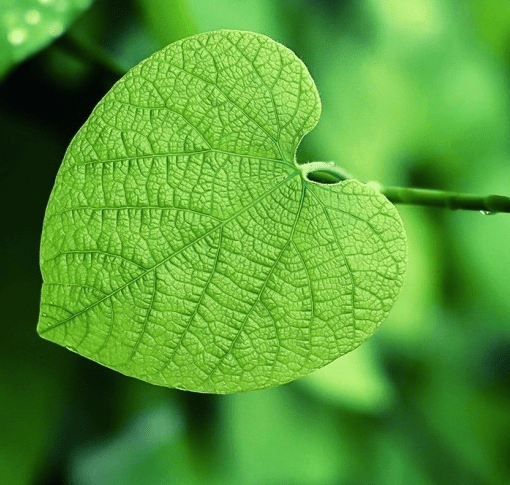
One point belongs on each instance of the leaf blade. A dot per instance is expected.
(180, 237)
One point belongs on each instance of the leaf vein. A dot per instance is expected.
(130, 282)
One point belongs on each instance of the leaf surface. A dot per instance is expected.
(27, 26)
(182, 244)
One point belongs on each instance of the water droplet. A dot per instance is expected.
(56, 28)
(17, 36)
(32, 17)
(486, 213)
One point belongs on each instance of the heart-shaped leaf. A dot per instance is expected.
(183, 244)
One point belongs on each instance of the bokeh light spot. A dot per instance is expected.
(56, 28)
(17, 36)
(32, 17)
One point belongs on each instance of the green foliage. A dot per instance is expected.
(184, 245)
(27, 26)
(169, 20)
(414, 93)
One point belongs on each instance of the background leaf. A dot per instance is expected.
(183, 246)
(27, 26)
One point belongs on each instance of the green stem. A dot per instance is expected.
(447, 200)
(328, 173)
(90, 52)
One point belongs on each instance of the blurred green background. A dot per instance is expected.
(416, 93)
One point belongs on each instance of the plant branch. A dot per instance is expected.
(89, 51)
(446, 200)
(327, 173)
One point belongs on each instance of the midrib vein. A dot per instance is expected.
(157, 265)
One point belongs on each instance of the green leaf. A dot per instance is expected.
(27, 26)
(183, 245)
